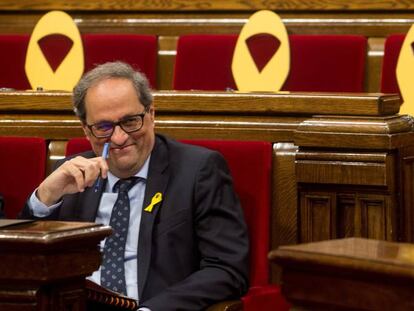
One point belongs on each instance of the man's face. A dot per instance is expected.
(112, 100)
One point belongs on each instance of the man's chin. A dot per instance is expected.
(124, 167)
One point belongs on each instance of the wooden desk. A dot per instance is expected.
(347, 274)
(43, 264)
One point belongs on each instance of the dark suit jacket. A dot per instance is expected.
(193, 246)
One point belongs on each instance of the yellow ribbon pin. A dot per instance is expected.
(157, 198)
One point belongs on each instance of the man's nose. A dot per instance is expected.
(119, 136)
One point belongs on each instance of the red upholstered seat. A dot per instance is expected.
(138, 50)
(392, 48)
(22, 165)
(322, 63)
(250, 164)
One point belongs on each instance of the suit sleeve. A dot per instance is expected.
(222, 242)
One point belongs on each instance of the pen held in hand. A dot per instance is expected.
(105, 153)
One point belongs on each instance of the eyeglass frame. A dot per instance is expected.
(119, 123)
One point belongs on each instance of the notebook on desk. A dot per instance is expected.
(103, 299)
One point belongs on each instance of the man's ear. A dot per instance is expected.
(86, 131)
(152, 113)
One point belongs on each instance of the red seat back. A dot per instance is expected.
(23, 166)
(250, 165)
(392, 48)
(13, 58)
(320, 63)
(140, 51)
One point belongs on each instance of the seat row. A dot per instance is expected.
(320, 63)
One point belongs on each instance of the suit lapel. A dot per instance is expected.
(158, 176)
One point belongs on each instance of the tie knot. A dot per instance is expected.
(125, 184)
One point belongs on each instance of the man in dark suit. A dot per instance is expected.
(187, 244)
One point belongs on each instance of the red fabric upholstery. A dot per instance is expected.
(203, 62)
(250, 164)
(268, 297)
(23, 165)
(327, 63)
(138, 50)
(77, 145)
(392, 48)
(12, 59)
(323, 63)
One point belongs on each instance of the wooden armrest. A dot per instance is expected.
(228, 305)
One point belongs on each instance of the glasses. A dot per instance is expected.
(128, 124)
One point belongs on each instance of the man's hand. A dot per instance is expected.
(71, 177)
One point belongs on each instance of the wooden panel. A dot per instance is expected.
(348, 222)
(373, 68)
(355, 132)
(56, 151)
(167, 47)
(317, 212)
(407, 194)
(339, 167)
(356, 173)
(284, 215)
(375, 217)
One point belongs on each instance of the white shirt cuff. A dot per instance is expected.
(38, 208)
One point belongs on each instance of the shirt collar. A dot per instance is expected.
(142, 173)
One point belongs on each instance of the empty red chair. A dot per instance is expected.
(392, 48)
(250, 164)
(140, 51)
(23, 166)
(320, 63)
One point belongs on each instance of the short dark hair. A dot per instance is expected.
(106, 71)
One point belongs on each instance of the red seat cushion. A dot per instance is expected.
(392, 48)
(23, 165)
(320, 63)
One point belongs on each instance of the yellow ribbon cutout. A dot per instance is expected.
(157, 198)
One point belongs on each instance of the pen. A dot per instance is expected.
(105, 153)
